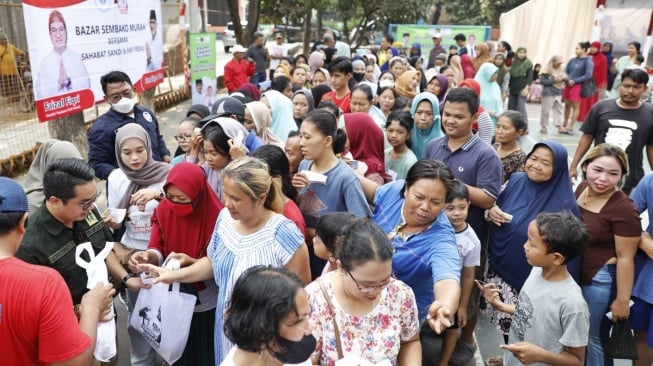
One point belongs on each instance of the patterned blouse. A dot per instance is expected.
(513, 162)
(375, 336)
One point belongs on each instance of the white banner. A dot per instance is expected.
(72, 43)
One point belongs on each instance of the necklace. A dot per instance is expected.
(588, 200)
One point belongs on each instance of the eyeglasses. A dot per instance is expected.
(115, 98)
(88, 203)
(183, 138)
(372, 288)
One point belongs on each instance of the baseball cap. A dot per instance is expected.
(278, 35)
(437, 35)
(430, 74)
(238, 48)
(12, 196)
(226, 106)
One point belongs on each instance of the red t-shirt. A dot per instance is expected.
(342, 103)
(37, 322)
(292, 212)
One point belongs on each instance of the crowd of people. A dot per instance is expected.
(360, 208)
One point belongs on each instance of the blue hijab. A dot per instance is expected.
(491, 98)
(386, 65)
(283, 121)
(525, 199)
(420, 138)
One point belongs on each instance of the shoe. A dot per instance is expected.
(543, 130)
(462, 354)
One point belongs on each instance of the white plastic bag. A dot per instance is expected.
(96, 271)
(163, 317)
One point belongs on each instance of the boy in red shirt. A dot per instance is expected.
(341, 71)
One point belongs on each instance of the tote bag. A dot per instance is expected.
(163, 315)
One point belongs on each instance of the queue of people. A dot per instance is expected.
(372, 216)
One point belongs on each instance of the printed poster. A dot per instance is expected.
(72, 43)
(202, 68)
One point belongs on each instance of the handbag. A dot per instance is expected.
(336, 330)
(588, 88)
(621, 344)
(162, 315)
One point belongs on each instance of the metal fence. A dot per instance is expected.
(20, 130)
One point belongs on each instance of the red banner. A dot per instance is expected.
(52, 3)
(64, 104)
(149, 80)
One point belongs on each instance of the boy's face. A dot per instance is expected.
(535, 248)
(339, 80)
(457, 119)
(456, 211)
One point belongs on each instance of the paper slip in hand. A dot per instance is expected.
(116, 214)
(392, 174)
(609, 313)
(314, 177)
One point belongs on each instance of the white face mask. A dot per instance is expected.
(124, 105)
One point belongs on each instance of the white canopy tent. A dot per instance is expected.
(550, 27)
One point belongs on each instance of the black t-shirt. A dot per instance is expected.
(630, 129)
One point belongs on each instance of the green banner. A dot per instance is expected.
(202, 68)
(423, 34)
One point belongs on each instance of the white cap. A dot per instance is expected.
(238, 48)
(437, 35)
(430, 74)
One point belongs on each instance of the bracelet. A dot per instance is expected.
(127, 277)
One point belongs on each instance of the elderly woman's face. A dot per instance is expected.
(424, 201)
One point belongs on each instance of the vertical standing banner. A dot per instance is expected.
(202, 68)
(72, 43)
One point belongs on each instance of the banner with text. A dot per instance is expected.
(423, 34)
(72, 43)
(202, 68)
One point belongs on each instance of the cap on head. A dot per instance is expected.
(238, 48)
(12, 196)
(152, 15)
(225, 107)
(437, 35)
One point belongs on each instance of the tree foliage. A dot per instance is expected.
(477, 12)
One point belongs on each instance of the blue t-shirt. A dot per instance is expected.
(342, 192)
(432, 253)
(642, 195)
(476, 164)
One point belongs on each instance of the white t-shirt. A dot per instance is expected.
(138, 225)
(229, 360)
(275, 49)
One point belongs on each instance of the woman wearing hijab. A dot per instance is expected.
(315, 61)
(250, 91)
(521, 76)
(482, 55)
(318, 91)
(182, 225)
(365, 140)
(415, 50)
(490, 97)
(48, 152)
(443, 82)
(600, 75)
(609, 58)
(544, 186)
(282, 119)
(137, 187)
(468, 66)
(391, 53)
(417, 62)
(408, 83)
(552, 80)
(503, 76)
(302, 104)
(321, 76)
(258, 118)
(483, 125)
(457, 67)
(427, 123)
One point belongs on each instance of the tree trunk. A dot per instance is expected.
(318, 27)
(71, 128)
(307, 30)
(147, 99)
(234, 11)
(253, 12)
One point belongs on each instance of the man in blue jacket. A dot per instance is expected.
(119, 93)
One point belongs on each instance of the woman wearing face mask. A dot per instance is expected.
(250, 231)
(137, 187)
(182, 225)
(376, 315)
(358, 67)
(267, 320)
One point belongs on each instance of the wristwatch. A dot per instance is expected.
(127, 277)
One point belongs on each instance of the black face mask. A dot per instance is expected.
(358, 76)
(296, 352)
